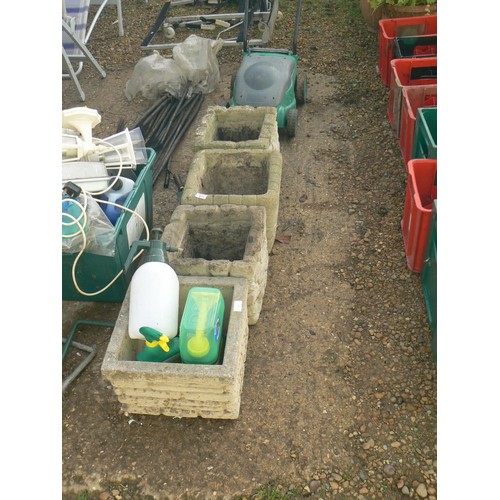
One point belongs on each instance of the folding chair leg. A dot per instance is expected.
(84, 49)
(72, 74)
(103, 3)
(121, 32)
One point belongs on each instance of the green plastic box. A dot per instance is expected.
(425, 140)
(94, 272)
(415, 46)
(428, 277)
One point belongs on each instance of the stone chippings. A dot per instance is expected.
(238, 177)
(239, 127)
(176, 389)
(222, 241)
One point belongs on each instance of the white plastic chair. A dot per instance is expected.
(75, 36)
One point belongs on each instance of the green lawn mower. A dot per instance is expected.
(270, 77)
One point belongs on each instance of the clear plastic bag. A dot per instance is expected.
(153, 75)
(99, 231)
(193, 62)
(196, 57)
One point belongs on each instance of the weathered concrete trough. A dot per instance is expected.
(177, 389)
(237, 177)
(225, 240)
(239, 127)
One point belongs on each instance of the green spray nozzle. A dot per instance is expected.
(156, 249)
(154, 337)
(158, 346)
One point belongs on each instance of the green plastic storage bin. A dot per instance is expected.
(428, 277)
(415, 46)
(94, 272)
(425, 140)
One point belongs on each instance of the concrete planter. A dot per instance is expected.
(237, 177)
(227, 240)
(176, 389)
(240, 127)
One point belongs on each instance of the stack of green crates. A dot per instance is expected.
(93, 272)
(425, 140)
(428, 277)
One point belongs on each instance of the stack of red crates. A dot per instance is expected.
(411, 76)
(389, 29)
(407, 73)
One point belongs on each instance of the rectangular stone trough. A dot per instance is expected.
(237, 177)
(177, 389)
(239, 127)
(226, 240)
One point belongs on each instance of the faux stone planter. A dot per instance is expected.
(239, 127)
(177, 389)
(227, 240)
(238, 177)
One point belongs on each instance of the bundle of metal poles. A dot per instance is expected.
(165, 123)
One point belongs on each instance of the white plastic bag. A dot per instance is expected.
(154, 74)
(193, 63)
(196, 57)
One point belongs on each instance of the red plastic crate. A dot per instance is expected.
(398, 27)
(408, 73)
(421, 191)
(413, 98)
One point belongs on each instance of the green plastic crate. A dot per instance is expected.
(94, 272)
(428, 277)
(425, 140)
(415, 46)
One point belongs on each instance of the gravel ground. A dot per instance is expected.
(353, 382)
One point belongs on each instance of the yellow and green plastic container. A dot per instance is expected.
(200, 331)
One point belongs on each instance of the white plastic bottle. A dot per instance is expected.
(118, 194)
(154, 292)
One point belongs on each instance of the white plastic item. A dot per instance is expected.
(119, 190)
(130, 146)
(73, 148)
(154, 300)
(120, 187)
(81, 119)
(92, 176)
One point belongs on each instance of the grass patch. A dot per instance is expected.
(272, 492)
